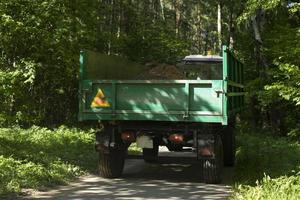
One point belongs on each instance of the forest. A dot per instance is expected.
(39, 63)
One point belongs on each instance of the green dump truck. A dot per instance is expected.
(192, 108)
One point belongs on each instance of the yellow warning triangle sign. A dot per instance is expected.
(100, 101)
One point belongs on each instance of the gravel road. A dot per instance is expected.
(164, 180)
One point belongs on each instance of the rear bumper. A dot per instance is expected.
(154, 117)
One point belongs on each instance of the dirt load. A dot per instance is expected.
(162, 72)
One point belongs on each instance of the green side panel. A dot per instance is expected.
(203, 97)
(167, 100)
(152, 97)
(234, 79)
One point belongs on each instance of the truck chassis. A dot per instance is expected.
(212, 144)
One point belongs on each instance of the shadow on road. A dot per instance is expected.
(143, 181)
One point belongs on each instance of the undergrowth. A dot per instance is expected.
(267, 167)
(39, 157)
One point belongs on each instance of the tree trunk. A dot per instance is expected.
(220, 26)
(111, 19)
(231, 30)
(120, 16)
(257, 25)
(256, 30)
(162, 9)
(199, 31)
(177, 16)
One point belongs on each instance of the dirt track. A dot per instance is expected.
(144, 181)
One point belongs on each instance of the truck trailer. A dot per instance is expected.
(194, 110)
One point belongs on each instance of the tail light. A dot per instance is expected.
(128, 137)
(176, 138)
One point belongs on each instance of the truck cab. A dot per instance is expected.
(198, 67)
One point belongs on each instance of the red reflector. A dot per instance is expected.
(177, 138)
(128, 137)
(206, 152)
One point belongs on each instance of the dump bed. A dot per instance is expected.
(123, 98)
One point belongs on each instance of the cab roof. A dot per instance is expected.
(201, 58)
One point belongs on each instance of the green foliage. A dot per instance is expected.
(273, 66)
(283, 47)
(260, 154)
(41, 41)
(285, 187)
(267, 167)
(17, 174)
(251, 7)
(38, 65)
(154, 43)
(40, 157)
(287, 83)
(134, 149)
(295, 133)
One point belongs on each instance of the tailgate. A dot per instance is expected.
(183, 100)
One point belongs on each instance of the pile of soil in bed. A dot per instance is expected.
(162, 72)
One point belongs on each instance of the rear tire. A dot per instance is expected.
(213, 167)
(111, 164)
(151, 155)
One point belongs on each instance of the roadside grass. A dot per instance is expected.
(267, 167)
(39, 157)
